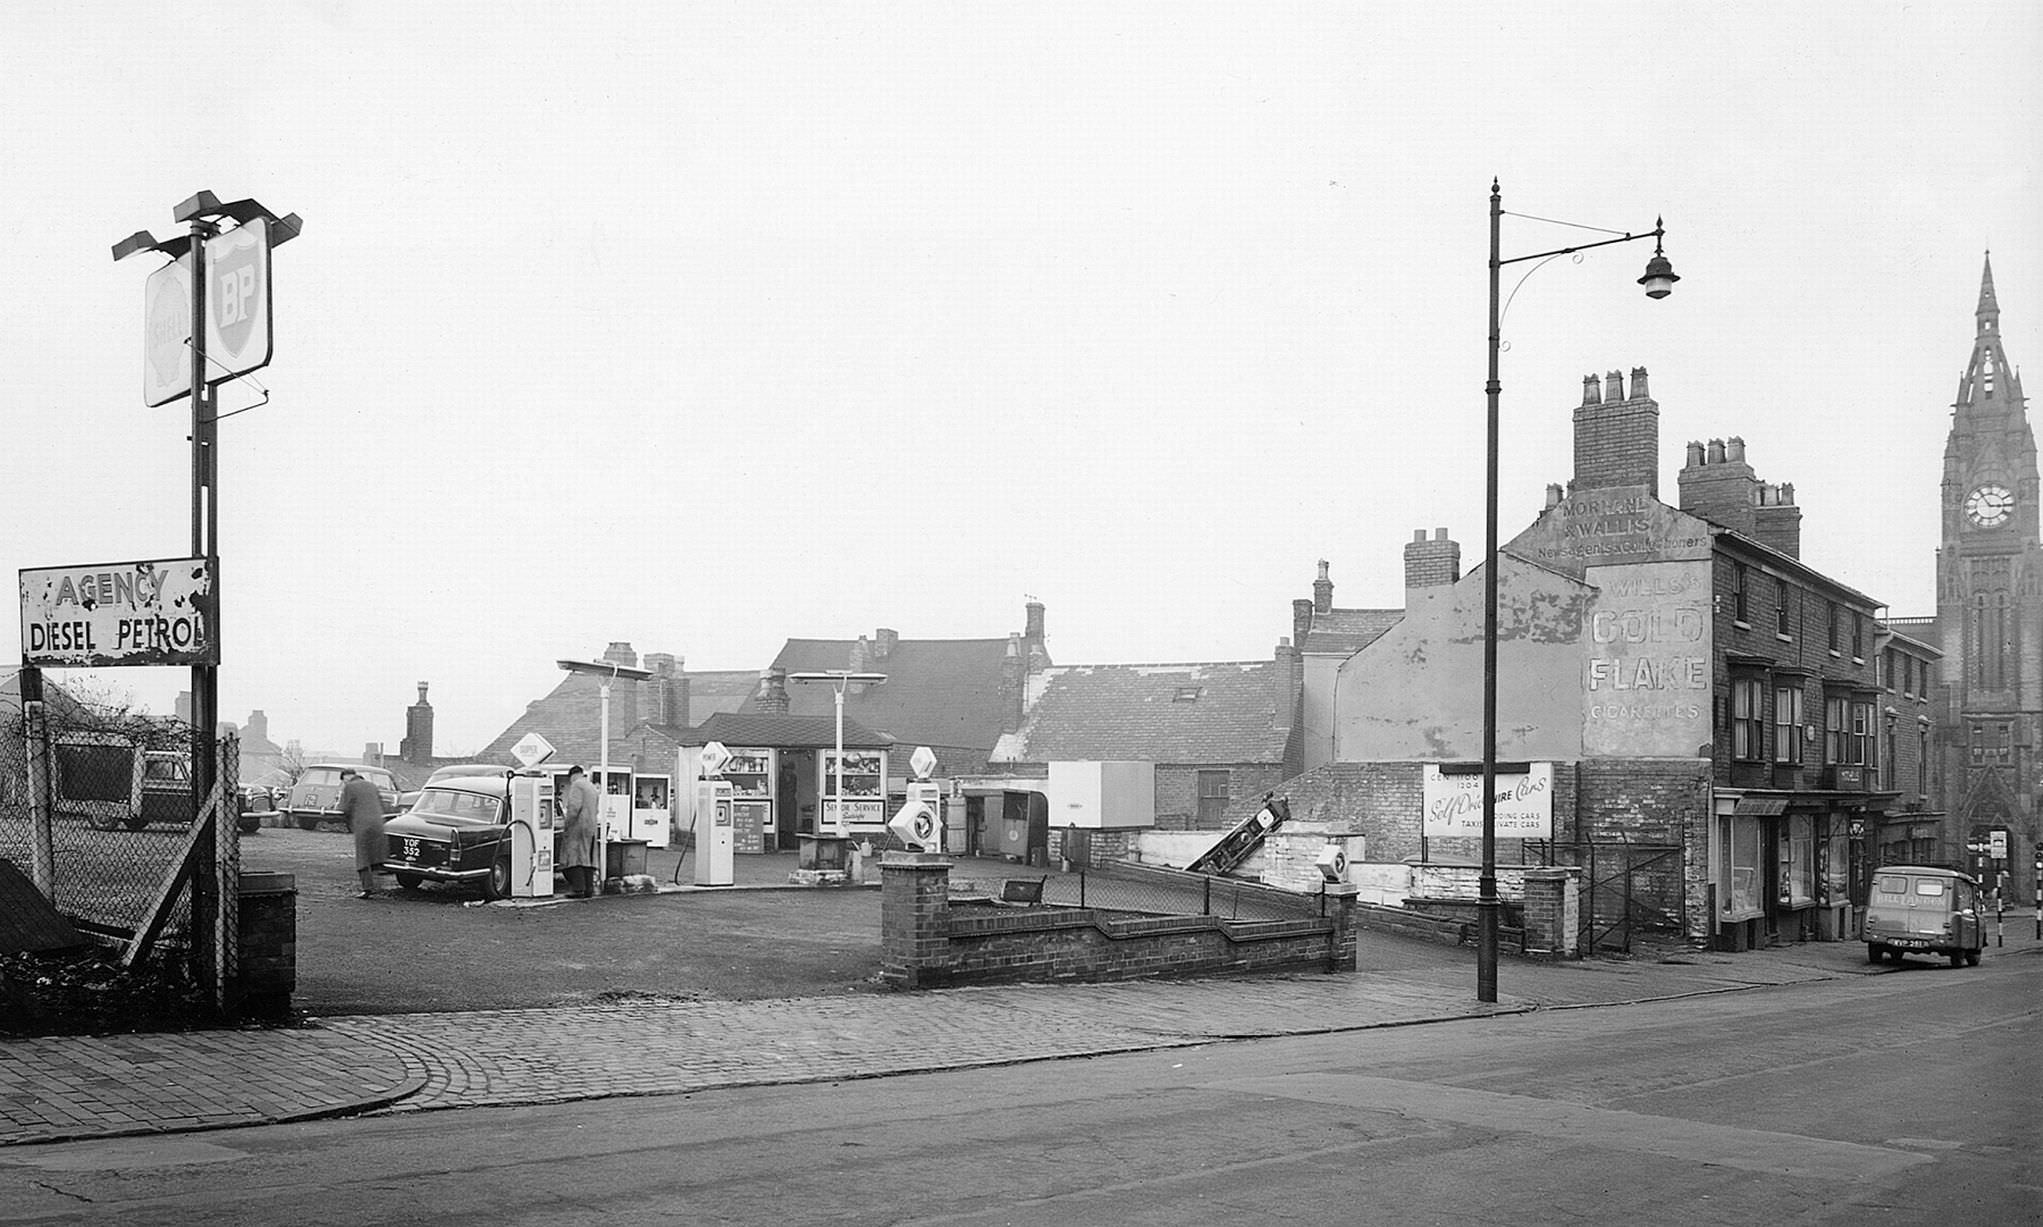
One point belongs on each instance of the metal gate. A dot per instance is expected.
(1630, 888)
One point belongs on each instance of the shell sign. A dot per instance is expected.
(160, 612)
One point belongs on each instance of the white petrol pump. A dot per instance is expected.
(532, 827)
(714, 829)
(919, 821)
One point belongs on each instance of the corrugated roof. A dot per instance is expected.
(1166, 713)
(937, 692)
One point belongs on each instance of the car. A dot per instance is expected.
(454, 771)
(315, 797)
(459, 831)
(405, 800)
(1923, 909)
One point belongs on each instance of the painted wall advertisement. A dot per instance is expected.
(1646, 678)
(1524, 808)
(159, 612)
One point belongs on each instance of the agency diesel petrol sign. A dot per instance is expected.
(160, 612)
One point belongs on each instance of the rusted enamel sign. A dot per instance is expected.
(159, 612)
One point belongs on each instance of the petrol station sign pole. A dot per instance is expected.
(229, 315)
(234, 322)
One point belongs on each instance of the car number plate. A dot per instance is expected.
(411, 848)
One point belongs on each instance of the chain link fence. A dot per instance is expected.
(98, 812)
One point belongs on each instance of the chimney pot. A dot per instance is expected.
(1734, 449)
(1592, 392)
(1613, 387)
(1639, 383)
(1716, 451)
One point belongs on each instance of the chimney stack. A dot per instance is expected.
(884, 640)
(417, 746)
(772, 696)
(1617, 438)
(1287, 683)
(1431, 566)
(1322, 591)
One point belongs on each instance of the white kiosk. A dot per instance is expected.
(714, 829)
(651, 809)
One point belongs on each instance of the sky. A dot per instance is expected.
(704, 326)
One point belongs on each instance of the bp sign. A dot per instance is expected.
(238, 301)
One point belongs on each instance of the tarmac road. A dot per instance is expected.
(443, 948)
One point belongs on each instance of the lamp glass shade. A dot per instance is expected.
(1660, 277)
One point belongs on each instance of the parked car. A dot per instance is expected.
(459, 831)
(457, 770)
(315, 798)
(1916, 909)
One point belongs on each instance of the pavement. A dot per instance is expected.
(70, 1088)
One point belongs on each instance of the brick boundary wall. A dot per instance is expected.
(927, 943)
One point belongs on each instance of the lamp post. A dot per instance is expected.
(840, 678)
(605, 672)
(1659, 282)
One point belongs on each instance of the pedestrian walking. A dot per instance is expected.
(361, 807)
(581, 811)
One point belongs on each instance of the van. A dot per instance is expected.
(1916, 909)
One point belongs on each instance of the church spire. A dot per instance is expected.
(1989, 307)
(1989, 385)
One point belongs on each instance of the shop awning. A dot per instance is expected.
(1760, 807)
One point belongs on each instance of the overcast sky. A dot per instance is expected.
(703, 326)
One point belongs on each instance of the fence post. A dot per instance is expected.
(36, 743)
(223, 876)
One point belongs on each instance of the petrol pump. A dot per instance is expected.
(614, 787)
(713, 832)
(919, 822)
(532, 828)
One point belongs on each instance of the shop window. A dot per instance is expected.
(1798, 861)
(1212, 797)
(1741, 855)
(1748, 730)
(1787, 724)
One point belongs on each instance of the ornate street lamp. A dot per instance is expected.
(1659, 282)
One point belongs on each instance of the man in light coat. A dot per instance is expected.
(581, 809)
(361, 807)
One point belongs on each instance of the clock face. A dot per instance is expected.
(1989, 505)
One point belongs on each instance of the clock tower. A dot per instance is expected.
(1990, 607)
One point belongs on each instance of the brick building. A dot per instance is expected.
(1706, 704)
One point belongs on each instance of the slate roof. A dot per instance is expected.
(1144, 712)
(938, 691)
(1347, 631)
(776, 731)
(571, 716)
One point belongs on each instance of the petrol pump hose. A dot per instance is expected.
(532, 869)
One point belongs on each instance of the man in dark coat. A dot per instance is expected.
(361, 807)
(581, 809)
